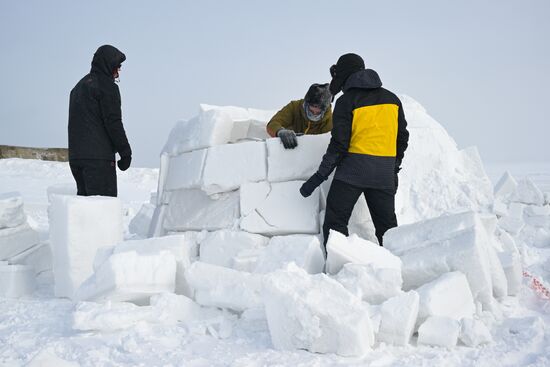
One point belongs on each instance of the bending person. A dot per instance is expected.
(310, 115)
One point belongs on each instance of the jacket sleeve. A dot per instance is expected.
(282, 119)
(341, 134)
(112, 119)
(402, 135)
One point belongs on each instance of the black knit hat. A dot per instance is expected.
(345, 66)
(319, 94)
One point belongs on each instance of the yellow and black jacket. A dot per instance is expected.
(293, 117)
(369, 134)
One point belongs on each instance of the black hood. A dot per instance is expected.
(106, 59)
(364, 79)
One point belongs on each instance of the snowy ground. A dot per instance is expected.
(37, 330)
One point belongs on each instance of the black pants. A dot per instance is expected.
(94, 177)
(342, 198)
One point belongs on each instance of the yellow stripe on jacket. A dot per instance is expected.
(374, 130)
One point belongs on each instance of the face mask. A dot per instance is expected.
(310, 116)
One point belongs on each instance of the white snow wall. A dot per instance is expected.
(221, 170)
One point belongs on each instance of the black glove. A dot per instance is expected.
(288, 137)
(311, 184)
(396, 171)
(124, 163)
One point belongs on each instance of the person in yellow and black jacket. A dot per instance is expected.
(310, 115)
(369, 139)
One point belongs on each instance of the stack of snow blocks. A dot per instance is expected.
(18, 241)
(452, 255)
(217, 177)
(79, 226)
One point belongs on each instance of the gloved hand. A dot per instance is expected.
(396, 171)
(124, 163)
(311, 184)
(288, 137)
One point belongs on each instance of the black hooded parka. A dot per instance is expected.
(95, 117)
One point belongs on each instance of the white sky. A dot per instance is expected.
(480, 68)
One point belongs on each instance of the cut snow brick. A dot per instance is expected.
(64, 189)
(305, 158)
(129, 276)
(303, 250)
(209, 128)
(246, 260)
(373, 285)
(449, 295)
(228, 166)
(474, 332)
(398, 317)
(511, 225)
(316, 313)
(220, 247)
(39, 257)
(170, 308)
(282, 211)
(500, 208)
(16, 280)
(223, 287)
(457, 242)
(185, 170)
(15, 240)
(80, 225)
(439, 331)
(515, 210)
(11, 210)
(182, 246)
(193, 209)
(505, 186)
(535, 210)
(141, 222)
(528, 193)
(353, 249)
(511, 263)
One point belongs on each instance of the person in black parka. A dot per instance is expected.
(96, 132)
(368, 143)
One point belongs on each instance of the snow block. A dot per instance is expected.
(474, 332)
(80, 225)
(536, 211)
(500, 208)
(449, 296)
(39, 257)
(16, 240)
(185, 170)
(316, 313)
(11, 210)
(170, 308)
(511, 225)
(278, 209)
(130, 276)
(303, 250)
(398, 317)
(246, 260)
(16, 281)
(223, 287)
(66, 189)
(220, 247)
(193, 209)
(305, 158)
(373, 285)
(505, 187)
(228, 166)
(528, 193)
(439, 331)
(353, 249)
(436, 246)
(511, 263)
(141, 222)
(182, 246)
(209, 128)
